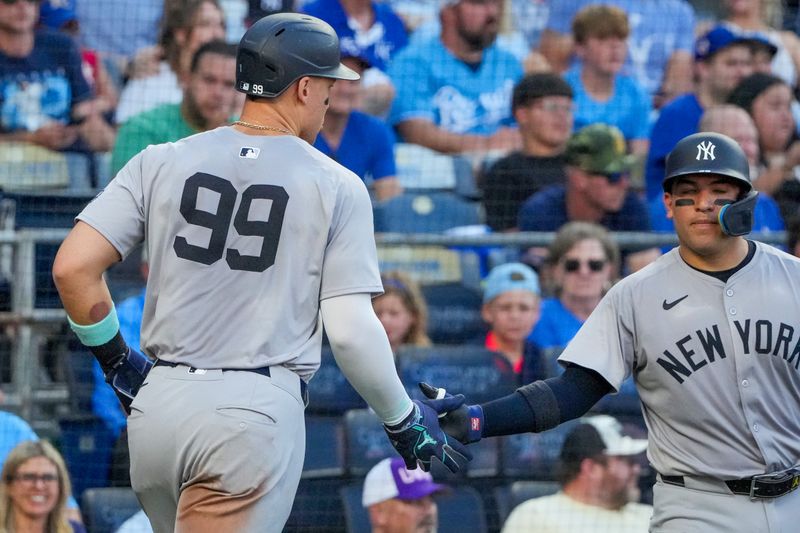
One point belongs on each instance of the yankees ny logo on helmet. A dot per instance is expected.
(705, 150)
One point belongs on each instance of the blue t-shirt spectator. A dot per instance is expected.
(105, 403)
(659, 28)
(628, 108)
(676, 120)
(547, 211)
(43, 86)
(119, 28)
(434, 85)
(556, 326)
(366, 148)
(377, 45)
(13, 430)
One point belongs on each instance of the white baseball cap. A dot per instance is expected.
(390, 479)
(601, 434)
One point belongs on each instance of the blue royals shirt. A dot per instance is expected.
(377, 44)
(433, 84)
(366, 148)
(42, 87)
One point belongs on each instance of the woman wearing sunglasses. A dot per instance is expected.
(582, 263)
(34, 488)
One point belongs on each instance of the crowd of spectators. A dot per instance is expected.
(564, 109)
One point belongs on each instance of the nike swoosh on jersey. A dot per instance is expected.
(670, 305)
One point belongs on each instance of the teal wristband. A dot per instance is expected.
(98, 333)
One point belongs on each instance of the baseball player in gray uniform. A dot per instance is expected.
(711, 334)
(255, 240)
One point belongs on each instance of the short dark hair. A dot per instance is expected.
(212, 47)
(538, 85)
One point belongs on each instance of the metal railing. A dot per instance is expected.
(31, 324)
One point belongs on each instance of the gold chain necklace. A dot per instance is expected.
(261, 127)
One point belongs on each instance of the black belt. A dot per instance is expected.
(264, 371)
(761, 486)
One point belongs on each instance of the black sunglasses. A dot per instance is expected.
(573, 265)
(614, 177)
(12, 2)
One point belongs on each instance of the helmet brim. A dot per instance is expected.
(342, 72)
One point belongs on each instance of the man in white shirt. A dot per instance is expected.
(599, 475)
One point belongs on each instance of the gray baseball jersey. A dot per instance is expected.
(245, 235)
(716, 364)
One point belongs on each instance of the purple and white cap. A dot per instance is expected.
(390, 479)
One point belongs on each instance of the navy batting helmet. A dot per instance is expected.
(714, 153)
(279, 49)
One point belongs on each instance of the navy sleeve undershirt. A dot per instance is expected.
(544, 404)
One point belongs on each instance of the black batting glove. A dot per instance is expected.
(463, 422)
(127, 374)
(418, 438)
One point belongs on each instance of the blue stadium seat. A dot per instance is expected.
(461, 510)
(105, 509)
(534, 455)
(454, 313)
(355, 516)
(432, 212)
(324, 447)
(87, 445)
(467, 369)
(317, 507)
(329, 392)
(366, 441)
(511, 495)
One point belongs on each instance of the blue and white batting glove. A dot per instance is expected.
(127, 375)
(418, 438)
(463, 422)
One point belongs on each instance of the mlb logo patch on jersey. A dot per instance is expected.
(249, 152)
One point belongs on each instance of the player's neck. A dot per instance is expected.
(727, 257)
(263, 115)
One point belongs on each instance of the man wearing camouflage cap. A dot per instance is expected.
(596, 190)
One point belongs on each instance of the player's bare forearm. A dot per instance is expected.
(78, 274)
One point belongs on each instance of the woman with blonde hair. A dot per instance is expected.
(583, 262)
(34, 488)
(402, 311)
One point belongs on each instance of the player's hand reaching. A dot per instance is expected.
(418, 438)
(127, 375)
(460, 421)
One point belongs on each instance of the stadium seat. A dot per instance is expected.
(87, 445)
(420, 168)
(533, 455)
(511, 495)
(324, 447)
(432, 212)
(105, 509)
(317, 507)
(365, 441)
(33, 210)
(461, 510)
(454, 313)
(356, 517)
(467, 369)
(329, 392)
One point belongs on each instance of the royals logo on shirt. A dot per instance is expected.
(248, 152)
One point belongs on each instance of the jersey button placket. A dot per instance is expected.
(743, 365)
